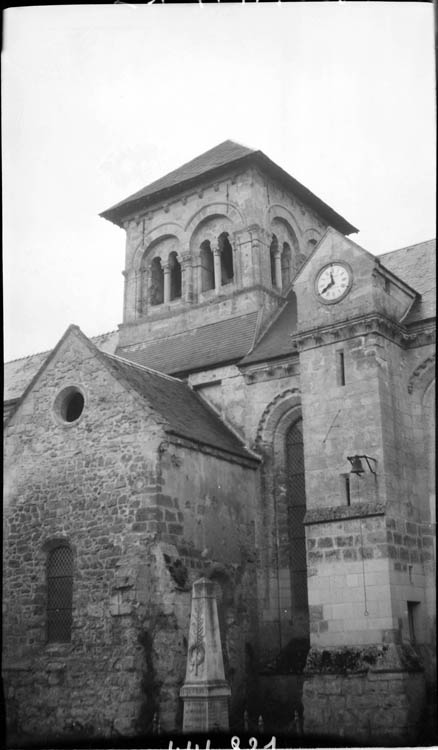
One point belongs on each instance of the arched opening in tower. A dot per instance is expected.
(156, 289)
(175, 276)
(273, 252)
(227, 270)
(286, 265)
(207, 267)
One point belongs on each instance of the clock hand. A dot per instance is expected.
(330, 284)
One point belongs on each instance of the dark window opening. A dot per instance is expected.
(207, 267)
(311, 244)
(347, 488)
(175, 276)
(296, 512)
(59, 594)
(286, 265)
(156, 290)
(413, 613)
(272, 251)
(74, 406)
(227, 270)
(69, 404)
(340, 368)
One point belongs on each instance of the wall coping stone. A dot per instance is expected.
(341, 512)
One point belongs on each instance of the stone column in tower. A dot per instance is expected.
(166, 271)
(186, 280)
(217, 269)
(278, 279)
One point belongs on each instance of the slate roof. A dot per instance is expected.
(19, 372)
(186, 414)
(416, 265)
(275, 341)
(216, 343)
(225, 153)
(214, 162)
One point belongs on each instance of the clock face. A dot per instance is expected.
(333, 282)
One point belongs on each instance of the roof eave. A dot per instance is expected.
(121, 211)
(334, 219)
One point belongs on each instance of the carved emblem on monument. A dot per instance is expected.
(196, 654)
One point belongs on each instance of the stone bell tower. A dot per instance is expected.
(217, 239)
(352, 345)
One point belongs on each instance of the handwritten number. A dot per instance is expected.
(271, 745)
(235, 742)
(253, 743)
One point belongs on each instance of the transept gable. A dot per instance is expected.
(76, 373)
(341, 280)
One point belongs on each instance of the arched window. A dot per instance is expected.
(156, 289)
(296, 496)
(207, 267)
(175, 276)
(227, 271)
(286, 265)
(311, 244)
(59, 593)
(273, 251)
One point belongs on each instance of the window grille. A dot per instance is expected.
(59, 594)
(296, 492)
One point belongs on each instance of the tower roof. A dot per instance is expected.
(212, 163)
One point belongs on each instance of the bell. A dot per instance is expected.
(356, 465)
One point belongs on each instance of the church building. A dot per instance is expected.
(264, 418)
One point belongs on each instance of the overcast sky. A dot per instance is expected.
(98, 101)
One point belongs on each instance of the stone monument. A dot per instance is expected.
(205, 692)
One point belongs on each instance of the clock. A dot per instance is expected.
(333, 282)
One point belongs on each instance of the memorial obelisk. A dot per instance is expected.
(205, 692)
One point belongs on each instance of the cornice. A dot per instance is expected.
(259, 373)
(363, 325)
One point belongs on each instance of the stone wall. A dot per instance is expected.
(369, 695)
(143, 520)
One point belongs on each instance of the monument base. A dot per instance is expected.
(205, 707)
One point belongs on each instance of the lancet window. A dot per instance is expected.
(156, 290)
(175, 276)
(207, 266)
(273, 251)
(59, 593)
(226, 252)
(286, 265)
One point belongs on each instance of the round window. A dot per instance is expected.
(69, 404)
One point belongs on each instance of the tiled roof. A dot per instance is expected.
(224, 153)
(186, 414)
(19, 372)
(276, 340)
(416, 265)
(213, 344)
(212, 162)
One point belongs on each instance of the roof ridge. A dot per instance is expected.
(137, 365)
(27, 356)
(406, 247)
(47, 351)
(106, 333)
